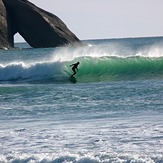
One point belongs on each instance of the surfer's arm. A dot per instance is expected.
(71, 65)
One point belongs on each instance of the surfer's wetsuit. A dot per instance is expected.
(74, 68)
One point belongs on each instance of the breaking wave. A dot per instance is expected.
(90, 70)
(107, 61)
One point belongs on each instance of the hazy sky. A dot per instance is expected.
(98, 19)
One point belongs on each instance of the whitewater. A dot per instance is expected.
(112, 113)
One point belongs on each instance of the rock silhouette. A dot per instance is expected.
(41, 29)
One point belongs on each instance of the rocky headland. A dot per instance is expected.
(39, 28)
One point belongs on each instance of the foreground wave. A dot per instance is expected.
(98, 158)
(91, 69)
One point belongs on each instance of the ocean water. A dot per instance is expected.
(111, 113)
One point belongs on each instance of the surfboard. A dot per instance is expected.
(73, 79)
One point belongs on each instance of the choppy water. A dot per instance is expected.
(113, 113)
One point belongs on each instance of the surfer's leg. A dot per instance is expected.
(73, 73)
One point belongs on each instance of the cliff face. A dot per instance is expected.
(38, 27)
(4, 38)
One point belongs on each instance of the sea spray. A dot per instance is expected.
(152, 48)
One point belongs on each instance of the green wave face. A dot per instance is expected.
(116, 68)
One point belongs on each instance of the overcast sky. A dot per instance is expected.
(99, 19)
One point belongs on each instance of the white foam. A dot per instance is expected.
(32, 71)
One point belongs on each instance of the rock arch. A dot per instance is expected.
(38, 27)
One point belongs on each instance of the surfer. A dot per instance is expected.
(74, 68)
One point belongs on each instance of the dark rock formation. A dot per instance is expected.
(38, 27)
(4, 39)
